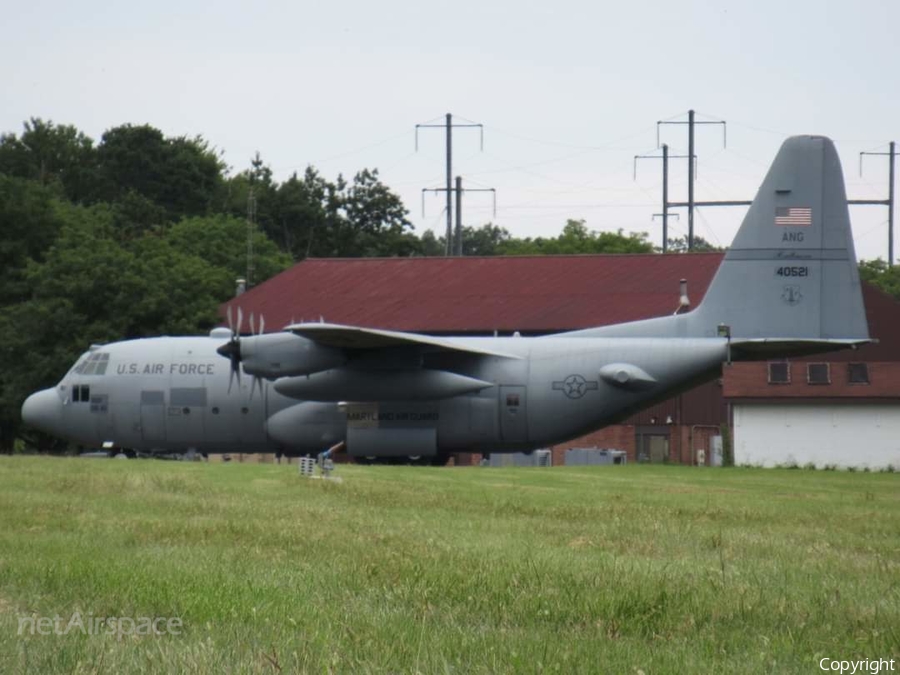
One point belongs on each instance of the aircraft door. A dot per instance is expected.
(513, 414)
(184, 416)
(153, 417)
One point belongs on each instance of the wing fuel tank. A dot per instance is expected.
(379, 385)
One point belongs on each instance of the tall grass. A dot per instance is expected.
(469, 570)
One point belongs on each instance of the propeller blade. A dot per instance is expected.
(252, 326)
(262, 324)
(230, 321)
(256, 379)
(240, 323)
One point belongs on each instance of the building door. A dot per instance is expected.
(513, 414)
(153, 417)
(652, 444)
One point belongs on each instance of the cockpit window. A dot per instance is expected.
(95, 364)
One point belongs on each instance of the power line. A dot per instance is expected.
(456, 248)
(448, 126)
(665, 190)
(691, 123)
(891, 154)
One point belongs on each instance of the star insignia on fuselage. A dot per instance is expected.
(575, 386)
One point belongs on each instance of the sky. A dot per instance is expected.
(568, 92)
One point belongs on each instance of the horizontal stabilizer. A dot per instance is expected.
(763, 349)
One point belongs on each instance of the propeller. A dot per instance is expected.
(232, 349)
(256, 378)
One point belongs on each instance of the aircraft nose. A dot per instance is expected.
(42, 410)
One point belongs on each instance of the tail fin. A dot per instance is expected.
(789, 283)
(791, 271)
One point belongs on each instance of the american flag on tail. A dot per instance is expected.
(793, 216)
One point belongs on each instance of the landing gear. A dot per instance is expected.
(440, 459)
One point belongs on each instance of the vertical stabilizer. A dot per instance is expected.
(790, 275)
(791, 271)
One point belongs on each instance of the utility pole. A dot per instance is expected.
(665, 189)
(456, 245)
(691, 123)
(251, 223)
(457, 240)
(892, 155)
(448, 125)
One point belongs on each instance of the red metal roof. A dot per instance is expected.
(532, 294)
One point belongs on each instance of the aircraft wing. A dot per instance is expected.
(354, 337)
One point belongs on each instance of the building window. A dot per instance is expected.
(858, 373)
(818, 373)
(780, 372)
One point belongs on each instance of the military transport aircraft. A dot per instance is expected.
(787, 286)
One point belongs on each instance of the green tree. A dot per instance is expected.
(680, 245)
(486, 240)
(878, 273)
(221, 241)
(30, 220)
(577, 238)
(50, 154)
(183, 176)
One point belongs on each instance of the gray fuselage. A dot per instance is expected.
(172, 394)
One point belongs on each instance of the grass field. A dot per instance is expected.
(469, 570)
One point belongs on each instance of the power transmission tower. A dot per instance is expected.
(457, 245)
(448, 125)
(691, 203)
(691, 123)
(665, 189)
(892, 155)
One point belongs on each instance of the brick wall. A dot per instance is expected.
(751, 380)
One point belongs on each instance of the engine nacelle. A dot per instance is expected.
(311, 427)
(349, 384)
(275, 355)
